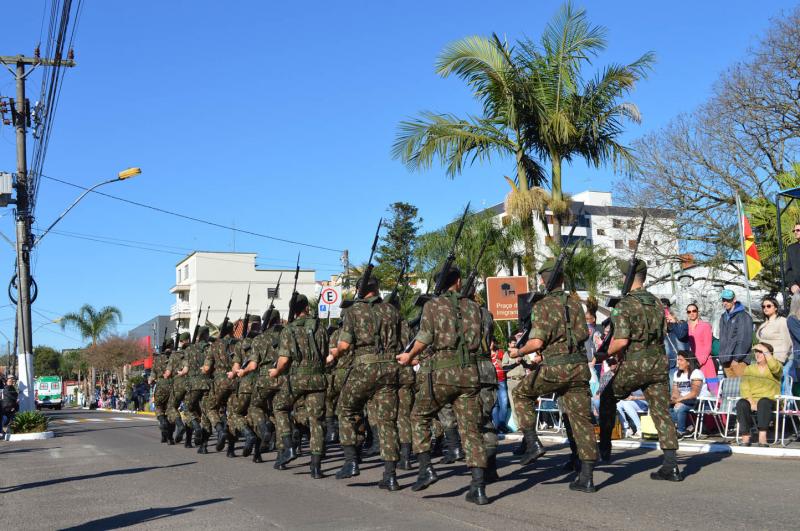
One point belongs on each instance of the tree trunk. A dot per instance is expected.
(528, 232)
(557, 195)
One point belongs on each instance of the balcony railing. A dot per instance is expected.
(179, 310)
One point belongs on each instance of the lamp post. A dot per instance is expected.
(25, 361)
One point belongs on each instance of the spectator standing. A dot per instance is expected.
(761, 381)
(775, 332)
(676, 338)
(735, 335)
(689, 384)
(793, 323)
(700, 341)
(500, 409)
(793, 262)
(9, 403)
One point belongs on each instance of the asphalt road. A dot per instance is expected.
(109, 471)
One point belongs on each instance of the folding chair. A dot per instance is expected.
(787, 406)
(548, 405)
(724, 404)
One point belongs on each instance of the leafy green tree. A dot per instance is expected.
(590, 268)
(46, 361)
(73, 364)
(397, 244)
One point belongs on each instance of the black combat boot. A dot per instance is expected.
(188, 442)
(520, 448)
(170, 431)
(331, 430)
(585, 480)
(426, 475)
(272, 440)
(231, 446)
(573, 464)
(162, 424)
(533, 448)
(453, 443)
(197, 430)
(669, 468)
(389, 481)
(219, 429)
(289, 449)
(437, 446)
(405, 457)
(350, 467)
(477, 488)
(265, 431)
(249, 441)
(490, 474)
(181, 429)
(297, 441)
(202, 448)
(316, 466)
(374, 447)
(257, 452)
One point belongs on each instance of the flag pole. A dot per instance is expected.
(740, 215)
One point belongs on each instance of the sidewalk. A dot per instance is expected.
(686, 446)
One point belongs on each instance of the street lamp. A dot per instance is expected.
(54, 321)
(121, 176)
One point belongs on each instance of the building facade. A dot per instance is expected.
(210, 279)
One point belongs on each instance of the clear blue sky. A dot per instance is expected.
(278, 117)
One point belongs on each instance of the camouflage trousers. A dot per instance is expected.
(335, 381)
(373, 385)
(314, 411)
(176, 397)
(260, 410)
(570, 382)
(161, 396)
(217, 399)
(488, 396)
(430, 398)
(405, 402)
(651, 375)
(238, 405)
(194, 399)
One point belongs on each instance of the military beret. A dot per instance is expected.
(624, 265)
(169, 343)
(452, 275)
(548, 266)
(184, 336)
(301, 303)
(271, 316)
(372, 283)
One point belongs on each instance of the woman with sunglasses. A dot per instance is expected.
(774, 330)
(700, 339)
(761, 381)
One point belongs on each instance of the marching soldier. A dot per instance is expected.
(176, 373)
(558, 334)
(302, 350)
(638, 345)
(405, 402)
(198, 382)
(245, 363)
(487, 373)
(451, 325)
(218, 364)
(371, 330)
(163, 390)
(265, 350)
(340, 365)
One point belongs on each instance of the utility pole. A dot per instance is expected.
(23, 220)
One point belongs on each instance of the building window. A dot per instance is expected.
(186, 272)
(601, 232)
(631, 223)
(617, 244)
(178, 275)
(273, 292)
(616, 223)
(631, 244)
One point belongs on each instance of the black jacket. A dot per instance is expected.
(10, 399)
(793, 265)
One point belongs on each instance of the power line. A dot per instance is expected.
(192, 218)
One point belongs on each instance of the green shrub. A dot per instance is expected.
(29, 422)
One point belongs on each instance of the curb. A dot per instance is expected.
(684, 447)
(129, 412)
(30, 436)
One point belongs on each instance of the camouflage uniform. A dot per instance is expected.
(179, 387)
(264, 349)
(199, 384)
(218, 360)
(639, 317)
(563, 371)
(163, 385)
(372, 328)
(487, 373)
(305, 342)
(405, 402)
(338, 375)
(451, 325)
(239, 401)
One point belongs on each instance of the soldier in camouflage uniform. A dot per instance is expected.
(199, 381)
(162, 390)
(638, 344)
(245, 363)
(405, 402)
(487, 373)
(218, 363)
(338, 368)
(371, 330)
(451, 325)
(558, 334)
(302, 350)
(177, 373)
(264, 349)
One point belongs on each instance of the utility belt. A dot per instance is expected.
(306, 371)
(652, 351)
(446, 359)
(564, 359)
(369, 359)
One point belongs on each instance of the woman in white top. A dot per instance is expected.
(688, 384)
(775, 331)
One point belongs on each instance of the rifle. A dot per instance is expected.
(468, 286)
(197, 324)
(525, 301)
(394, 295)
(293, 299)
(246, 308)
(177, 335)
(164, 340)
(225, 320)
(271, 308)
(602, 350)
(361, 292)
(440, 281)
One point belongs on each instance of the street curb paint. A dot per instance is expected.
(30, 436)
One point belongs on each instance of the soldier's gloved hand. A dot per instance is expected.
(404, 359)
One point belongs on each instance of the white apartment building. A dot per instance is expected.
(212, 278)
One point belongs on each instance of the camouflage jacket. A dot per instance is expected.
(176, 362)
(373, 330)
(160, 364)
(345, 359)
(195, 356)
(639, 317)
(218, 357)
(563, 341)
(486, 369)
(243, 354)
(305, 342)
(451, 325)
(265, 352)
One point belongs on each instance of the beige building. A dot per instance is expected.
(212, 278)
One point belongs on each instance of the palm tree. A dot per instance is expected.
(489, 67)
(571, 117)
(590, 268)
(92, 324)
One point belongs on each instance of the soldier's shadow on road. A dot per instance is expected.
(135, 518)
(27, 450)
(108, 473)
(620, 471)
